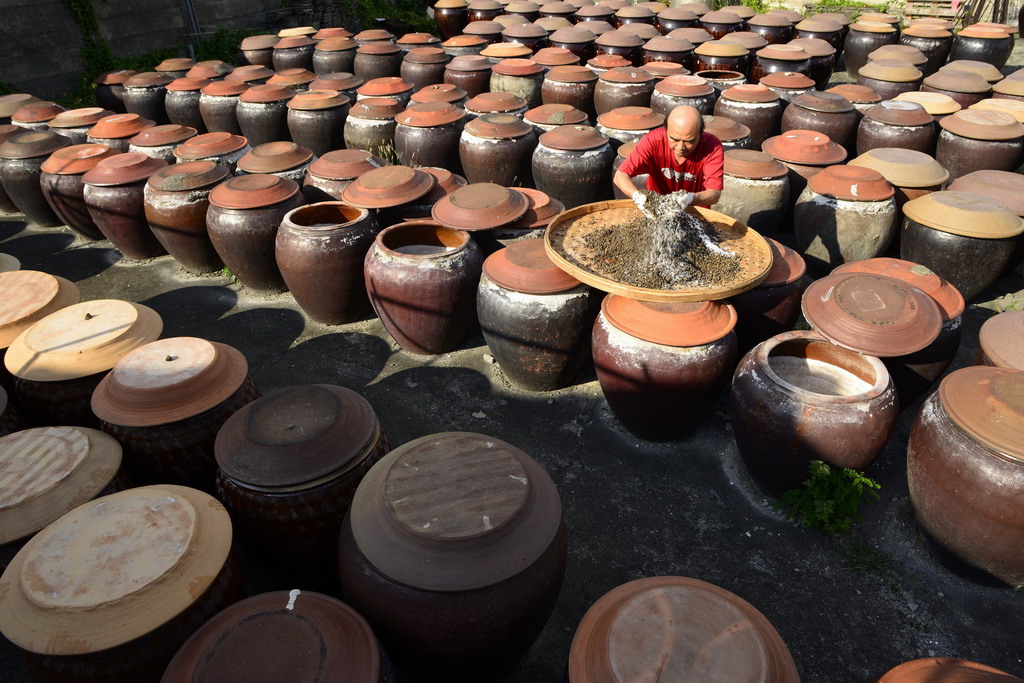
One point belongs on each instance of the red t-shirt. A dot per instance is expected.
(702, 170)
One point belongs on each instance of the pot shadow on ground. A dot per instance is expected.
(82, 263)
(11, 225)
(192, 310)
(33, 249)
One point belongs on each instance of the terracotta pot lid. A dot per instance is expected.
(480, 206)
(988, 404)
(573, 138)
(12, 103)
(76, 159)
(483, 28)
(792, 15)
(945, 669)
(626, 74)
(427, 55)
(872, 27)
(225, 88)
(958, 81)
(904, 167)
(422, 527)
(525, 267)
(871, 314)
(965, 213)
(525, 31)
(632, 118)
(261, 42)
(787, 80)
(169, 380)
(32, 143)
(469, 63)
(485, 5)
(557, 115)
(378, 47)
(118, 126)
(983, 124)
(1005, 186)
(749, 40)
(81, 339)
(345, 164)
(518, 67)
(826, 102)
(720, 48)
(576, 34)
(926, 31)
(619, 38)
(1006, 28)
(464, 41)
(441, 92)
(858, 94)
(685, 86)
(431, 114)
(671, 324)
(982, 69)
(267, 93)
(804, 147)
(123, 169)
(749, 163)
(663, 70)
(339, 81)
(249, 73)
(188, 84)
(935, 103)
(378, 108)
(384, 87)
(423, 39)
(445, 182)
(37, 112)
(1000, 337)
(543, 208)
(253, 191)
(340, 44)
(522, 7)
(274, 157)
(290, 42)
(209, 70)
(742, 11)
(290, 77)
(605, 62)
(891, 71)
(158, 136)
(595, 10)
(388, 186)
(634, 12)
(497, 126)
(694, 35)
(116, 77)
(948, 298)
(786, 53)
(838, 17)
(819, 24)
(316, 100)
(558, 8)
(209, 145)
(175, 64)
(148, 79)
(815, 47)
(114, 569)
(771, 20)
(49, 471)
(555, 56)
(1014, 108)
(787, 265)
(852, 184)
(570, 74)
(496, 101)
(29, 296)
(983, 32)
(750, 92)
(721, 17)
(186, 176)
(906, 53)
(726, 129)
(900, 113)
(882, 17)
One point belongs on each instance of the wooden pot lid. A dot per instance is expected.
(79, 118)
(542, 210)
(376, 108)
(872, 314)
(1000, 338)
(186, 176)
(266, 93)
(749, 40)
(455, 511)
(123, 169)
(787, 80)
(804, 147)
(148, 79)
(988, 404)
(948, 298)
(556, 115)
(891, 70)
(430, 115)
(253, 191)
(441, 92)
(851, 184)
(1004, 186)
(815, 47)
(9, 263)
(935, 103)
(296, 437)
(345, 164)
(825, 102)
(113, 569)
(282, 636)
(904, 167)
(964, 213)
(907, 53)
(225, 88)
(49, 471)
(187, 83)
(496, 102)
(29, 296)
(158, 136)
(957, 81)
(983, 124)
(81, 339)
(37, 112)
(479, 206)
(751, 164)
(787, 265)
(388, 186)
(631, 118)
(261, 42)
(32, 144)
(687, 86)
(1014, 108)
(946, 670)
(750, 92)
(681, 324)
(12, 103)
(497, 126)
(677, 629)
(76, 159)
(274, 157)
(524, 266)
(118, 126)
(167, 381)
(858, 94)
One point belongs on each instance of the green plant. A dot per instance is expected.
(829, 499)
(862, 558)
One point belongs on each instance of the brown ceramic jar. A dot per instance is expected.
(623, 87)
(498, 148)
(717, 55)
(826, 113)
(822, 60)
(217, 104)
(316, 120)
(293, 52)
(890, 77)
(451, 17)
(775, 29)
(114, 197)
(578, 40)
(334, 55)
(548, 117)
(934, 42)
(144, 95)
(424, 66)
(788, 85)
(779, 58)
(965, 88)
(622, 44)
(36, 115)
(754, 106)
(570, 85)
(665, 49)
(110, 90)
(428, 135)
(21, 158)
(259, 50)
(572, 164)
(982, 44)
(628, 124)
(495, 102)
(370, 124)
(864, 38)
(464, 45)
(731, 134)
(61, 182)
(772, 307)
(520, 77)
(822, 28)
(721, 22)
(182, 102)
(692, 91)
(979, 139)
(262, 113)
(283, 159)
(176, 200)
(897, 123)
(912, 174)
(755, 190)
(377, 60)
(471, 73)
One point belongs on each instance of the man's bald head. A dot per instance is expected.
(685, 126)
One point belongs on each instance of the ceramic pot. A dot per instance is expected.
(471, 73)
(826, 113)
(965, 88)
(890, 77)
(672, 50)
(997, 341)
(978, 139)
(328, 176)
(21, 158)
(772, 307)
(623, 44)
(532, 36)
(788, 85)
(294, 52)
(721, 56)
(805, 154)
(732, 135)
(498, 148)
(773, 28)
(428, 135)
(822, 60)
(464, 45)
(570, 85)
(144, 95)
(217, 104)
(113, 195)
(73, 124)
(520, 77)
(224, 149)
(779, 58)
(982, 44)
(451, 17)
(316, 120)
(863, 39)
(176, 200)
(572, 163)
(370, 125)
(623, 87)
(755, 190)
(262, 113)
(628, 124)
(110, 90)
(677, 17)
(934, 42)
(897, 123)
(377, 60)
(754, 106)
(182, 102)
(258, 50)
(62, 186)
(334, 55)
(720, 23)
(424, 66)
(692, 91)
(548, 117)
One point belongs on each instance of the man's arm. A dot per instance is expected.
(707, 197)
(624, 183)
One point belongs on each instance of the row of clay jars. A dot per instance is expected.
(21, 158)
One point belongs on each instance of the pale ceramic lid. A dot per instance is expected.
(1014, 108)
(965, 213)
(1000, 339)
(29, 296)
(1006, 186)
(49, 471)
(82, 339)
(113, 569)
(907, 53)
(958, 81)
(9, 263)
(719, 48)
(891, 70)
(935, 103)
(749, 163)
(988, 404)
(904, 167)
(983, 124)
(1009, 86)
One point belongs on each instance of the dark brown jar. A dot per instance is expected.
(243, 219)
(715, 55)
(982, 44)
(933, 41)
(965, 88)
(334, 55)
(721, 22)
(428, 135)
(110, 90)
(210, 70)
(979, 139)
(114, 197)
(621, 43)
(182, 102)
(573, 165)
(489, 31)
(262, 113)
(370, 124)
(563, 10)
(345, 83)
(665, 49)
(691, 91)
(595, 12)
(864, 38)
(449, 598)
(528, 10)
(634, 14)
(21, 157)
(176, 200)
(644, 31)
(912, 174)
(548, 117)
(471, 73)
(316, 120)
(822, 60)
(326, 243)
(528, 35)
(6, 205)
(571, 85)
(671, 18)
(217, 104)
(578, 40)
(628, 124)
(73, 124)
(773, 306)
(144, 95)
(451, 17)
(259, 50)
(294, 52)
(328, 176)
(754, 106)
(822, 28)
(755, 191)
(779, 58)
(422, 283)
(826, 113)
(483, 10)
(787, 85)
(897, 123)
(890, 77)
(61, 182)
(777, 30)
(623, 87)
(498, 148)
(424, 66)
(223, 148)
(160, 142)
(377, 60)
(661, 365)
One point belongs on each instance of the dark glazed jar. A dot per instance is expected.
(217, 104)
(294, 52)
(428, 135)
(822, 60)
(377, 60)
(721, 22)
(572, 164)
(114, 197)
(671, 18)
(259, 50)
(334, 55)
(328, 176)
(422, 283)
(495, 102)
(622, 44)
(777, 30)
(370, 124)
(483, 10)
(529, 35)
(243, 219)
(623, 87)
(822, 28)
(182, 102)
(578, 40)
(176, 200)
(316, 120)
(110, 90)
(498, 148)
(890, 77)
(965, 88)
(451, 17)
(144, 95)
(933, 42)
(660, 365)
(489, 31)
(523, 78)
(326, 243)
(471, 73)
(62, 186)
(262, 113)
(571, 85)
(779, 58)
(864, 38)
(753, 106)
(772, 307)
(283, 159)
(665, 49)
(897, 123)
(979, 139)
(717, 55)
(912, 174)
(424, 66)
(755, 191)
(982, 44)
(826, 113)
(634, 14)
(21, 158)
(692, 91)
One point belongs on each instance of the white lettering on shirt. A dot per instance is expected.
(678, 176)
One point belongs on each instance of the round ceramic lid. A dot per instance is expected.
(626, 74)
(983, 124)
(891, 70)
(378, 48)
(12, 103)
(859, 94)
(78, 118)
(769, 20)
(294, 41)
(988, 404)
(900, 113)
(749, 163)
(1009, 86)
(872, 27)
(345, 164)
(852, 184)
(721, 48)
(666, 44)
(947, 670)
(290, 77)
(81, 339)
(188, 83)
(388, 186)
(498, 126)
(187, 176)
(543, 208)
(296, 436)
(721, 17)
(76, 159)
(517, 67)
(958, 81)
(274, 157)
(377, 108)
(260, 42)
(555, 56)
(225, 88)
(827, 102)
(819, 24)
(175, 64)
(442, 92)
(644, 31)
(1005, 186)
(158, 136)
(209, 70)
(787, 265)
(907, 53)
(253, 191)
(113, 569)
(872, 314)
(1000, 338)
(634, 12)
(926, 31)
(950, 301)
(687, 86)
(804, 147)
(479, 206)
(749, 40)
(427, 55)
(210, 145)
(785, 53)
(169, 380)
(315, 100)
(619, 38)
(463, 40)
(525, 267)
(29, 296)
(455, 511)
(496, 101)
(445, 182)
(750, 92)
(904, 167)
(815, 47)
(267, 93)
(935, 103)
(296, 31)
(148, 79)
(984, 32)
(483, 28)
(677, 629)
(284, 636)
(663, 70)
(672, 324)
(118, 126)
(576, 34)
(49, 471)
(524, 31)
(431, 114)
(787, 80)
(726, 129)
(339, 80)
(555, 114)
(570, 74)
(37, 112)
(694, 35)
(631, 118)
(1014, 108)
(987, 71)
(965, 213)
(573, 138)
(31, 144)
(123, 169)
(338, 44)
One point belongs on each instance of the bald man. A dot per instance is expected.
(681, 160)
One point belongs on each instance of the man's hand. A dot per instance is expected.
(683, 198)
(639, 198)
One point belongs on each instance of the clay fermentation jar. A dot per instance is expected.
(520, 77)
(897, 124)
(822, 60)
(692, 91)
(721, 22)
(110, 90)
(451, 16)
(773, 306)
(182, 102)
(328, 176)
(370, 124)
(824, 112)
(890, 77)
(113, 195)
(464, 45)
(548, 117)
(262, 113)
(377, 60)
(864, 38)
(717, 55)
(294, 52)
(623, 87)
(578, 40)
(498, 148)
(630, 124)
(823, 28)
(671, 50)
(471, 73)
(225, 149)
(623, 44)
(788, 84)
(258, 50)
(755, 190)
(428, 135)
(779, 58)
(775, 29)
(21, 158)
(934, 42)
(424, 66)
(316, 120)
(754, 106)
(334, 55)
(982, 44)
(571, 85)
(62, 186)
(144, 95)
(176, 199)
(572, 164)
(217, 104)
(160, 142)
(978, 139)
(653, 359)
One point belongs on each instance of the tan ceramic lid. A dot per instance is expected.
(904, 167)
(935, 103)
(718, 48)
(671, 628)
(1014, 108)
(892, 70)
(12, 103)
(1000, 339)
(48, 471)
(804, 147)
(859, 94)
(964, 213)
(113, 569)
(787, 265)
(525, 267)
(1009, 86)
(750, 92)
(983, 124)
(81, 340)
(982, 69)
(958, 81)
(749, 163)
(907, 53)
(988, 404)
(1006, 186)
(29, 296)
(872, 27)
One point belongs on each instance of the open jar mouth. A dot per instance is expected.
(325, 216)
(810, 366)
(421, 240)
